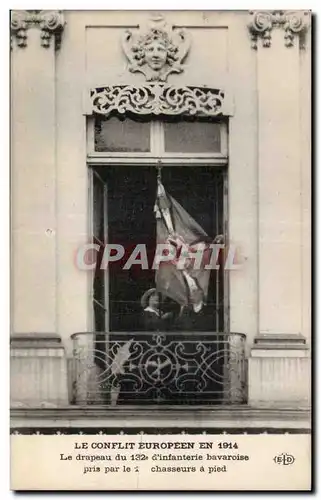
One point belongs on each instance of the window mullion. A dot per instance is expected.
(157, 138)
(224, 139)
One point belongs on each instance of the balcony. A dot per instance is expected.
(179, 368)
(125, 382)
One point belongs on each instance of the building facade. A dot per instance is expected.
(218, 104)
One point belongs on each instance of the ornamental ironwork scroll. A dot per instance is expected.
(147, 368)
(157, 99)
(156, 50)
(293, 23)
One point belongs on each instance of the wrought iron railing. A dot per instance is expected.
(157, 368)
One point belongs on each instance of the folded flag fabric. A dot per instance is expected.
(182, 278)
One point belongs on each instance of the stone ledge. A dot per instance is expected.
(230, 417)
(97, 411)
(280, 341)
(35, 340)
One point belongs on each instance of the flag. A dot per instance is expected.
(185, 284)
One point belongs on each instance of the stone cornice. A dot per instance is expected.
(50, 22)
(294, 23)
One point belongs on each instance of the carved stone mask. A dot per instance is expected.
(156, 55)
(156, 51)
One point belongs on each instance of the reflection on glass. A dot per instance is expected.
(192, 137)
(115, 135)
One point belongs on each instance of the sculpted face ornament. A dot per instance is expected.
(156, 51)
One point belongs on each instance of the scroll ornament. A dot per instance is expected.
(262, 23)
(50, 22)
(157, 99)
(156, 50)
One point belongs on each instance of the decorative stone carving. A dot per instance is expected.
(18, 28)
(157, 99)
(262, 22)
(50, 22)
(156, 50)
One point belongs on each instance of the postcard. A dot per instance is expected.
(161, 250)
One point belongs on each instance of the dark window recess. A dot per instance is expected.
(187, 363)
(131, 221)
(122, 136)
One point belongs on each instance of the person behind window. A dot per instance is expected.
(158, 311)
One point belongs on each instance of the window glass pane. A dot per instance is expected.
(192, 137)
(115, 135)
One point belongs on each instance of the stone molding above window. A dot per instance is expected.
(50, 22)
(294, 23)
(154, 99)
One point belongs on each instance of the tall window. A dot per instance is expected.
(123, 156)
(184, 359)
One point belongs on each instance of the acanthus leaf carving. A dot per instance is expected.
(262, 23)
(156, 50)
(157, 99)
(50, 22)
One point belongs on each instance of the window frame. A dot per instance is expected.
(92, 173)
(157, 148)
(104, 160)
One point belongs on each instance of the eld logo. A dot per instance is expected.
(284, 459)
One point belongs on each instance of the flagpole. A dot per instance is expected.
(159, 170)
